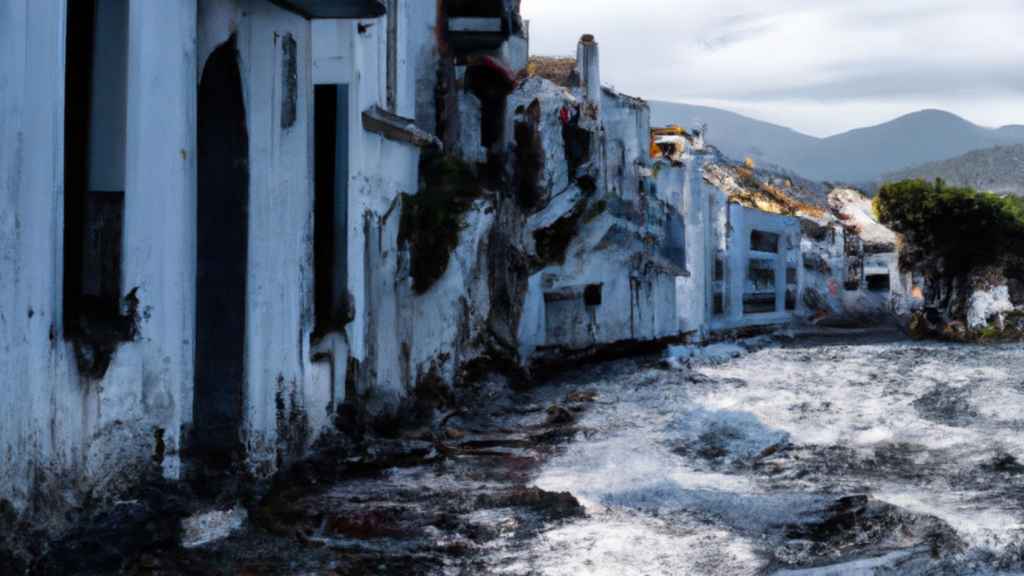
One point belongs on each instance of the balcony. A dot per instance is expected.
(480, 25)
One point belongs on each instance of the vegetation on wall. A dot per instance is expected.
(433, 218)
(965, 228)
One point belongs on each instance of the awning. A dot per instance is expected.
(334, 9)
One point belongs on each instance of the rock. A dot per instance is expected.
(206, 528)
(986, 305)
(816, 301)
(559, 416)
(920, 328)
(859, 523)
(946, 405)
(954, 330)
(552, 505)
(581, 396)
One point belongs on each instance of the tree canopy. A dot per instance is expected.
(964, 227)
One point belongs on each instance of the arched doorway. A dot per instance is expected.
(222, 222)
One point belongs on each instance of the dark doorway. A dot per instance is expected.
(330, 223)
(222, 263)
(95, 133)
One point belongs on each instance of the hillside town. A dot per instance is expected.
(237, 236)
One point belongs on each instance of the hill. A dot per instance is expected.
(999, 169)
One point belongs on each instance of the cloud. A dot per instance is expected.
(778, 57)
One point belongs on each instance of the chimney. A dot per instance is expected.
(588, 68)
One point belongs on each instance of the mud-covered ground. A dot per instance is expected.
(800, 457)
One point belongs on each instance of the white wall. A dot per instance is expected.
(287, 396)
(693, 291)
(380, 170)
(36, 420)
(58, 430)
(740, 223)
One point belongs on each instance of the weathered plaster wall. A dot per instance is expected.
(824, 263)
(742, 222)
(379, 337)
(42, 413)
(627, 125)
(692, 291)
(627, 250)
(58, 428)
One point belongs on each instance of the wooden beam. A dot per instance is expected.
(397, 128)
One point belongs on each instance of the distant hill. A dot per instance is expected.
(999, 169)
(857, 157)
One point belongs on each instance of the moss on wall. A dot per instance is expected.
(432, 219)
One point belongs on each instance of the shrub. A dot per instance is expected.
(964, 227)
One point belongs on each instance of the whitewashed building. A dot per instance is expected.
(171, 175)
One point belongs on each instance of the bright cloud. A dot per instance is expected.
(820, 66)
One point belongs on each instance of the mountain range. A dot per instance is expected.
(860, 157)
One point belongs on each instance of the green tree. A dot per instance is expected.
(964, 227)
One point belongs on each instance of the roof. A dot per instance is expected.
(334, 9)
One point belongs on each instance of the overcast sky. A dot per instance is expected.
(819, 66)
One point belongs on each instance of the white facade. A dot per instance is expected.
(758, 278)
(60, 428)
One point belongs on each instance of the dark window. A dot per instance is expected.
(879, 283)
(758, 303)
(289, 81)
(764, 242)
(719, 268)
(761, 276)
(760, 290)
(392, 54)
(592, 295)
(330, 240)
(719, 304)
(791, 276)
(95, 138)
(790, 299)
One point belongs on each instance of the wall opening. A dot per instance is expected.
(330, 239)
(764, 242)
(792, 287)
(879, 282)
(491, 82)
(592, 295)
(95, 140)
(759, 296)
(718, 306)
(222, 261)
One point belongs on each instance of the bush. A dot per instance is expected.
(964, 227)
